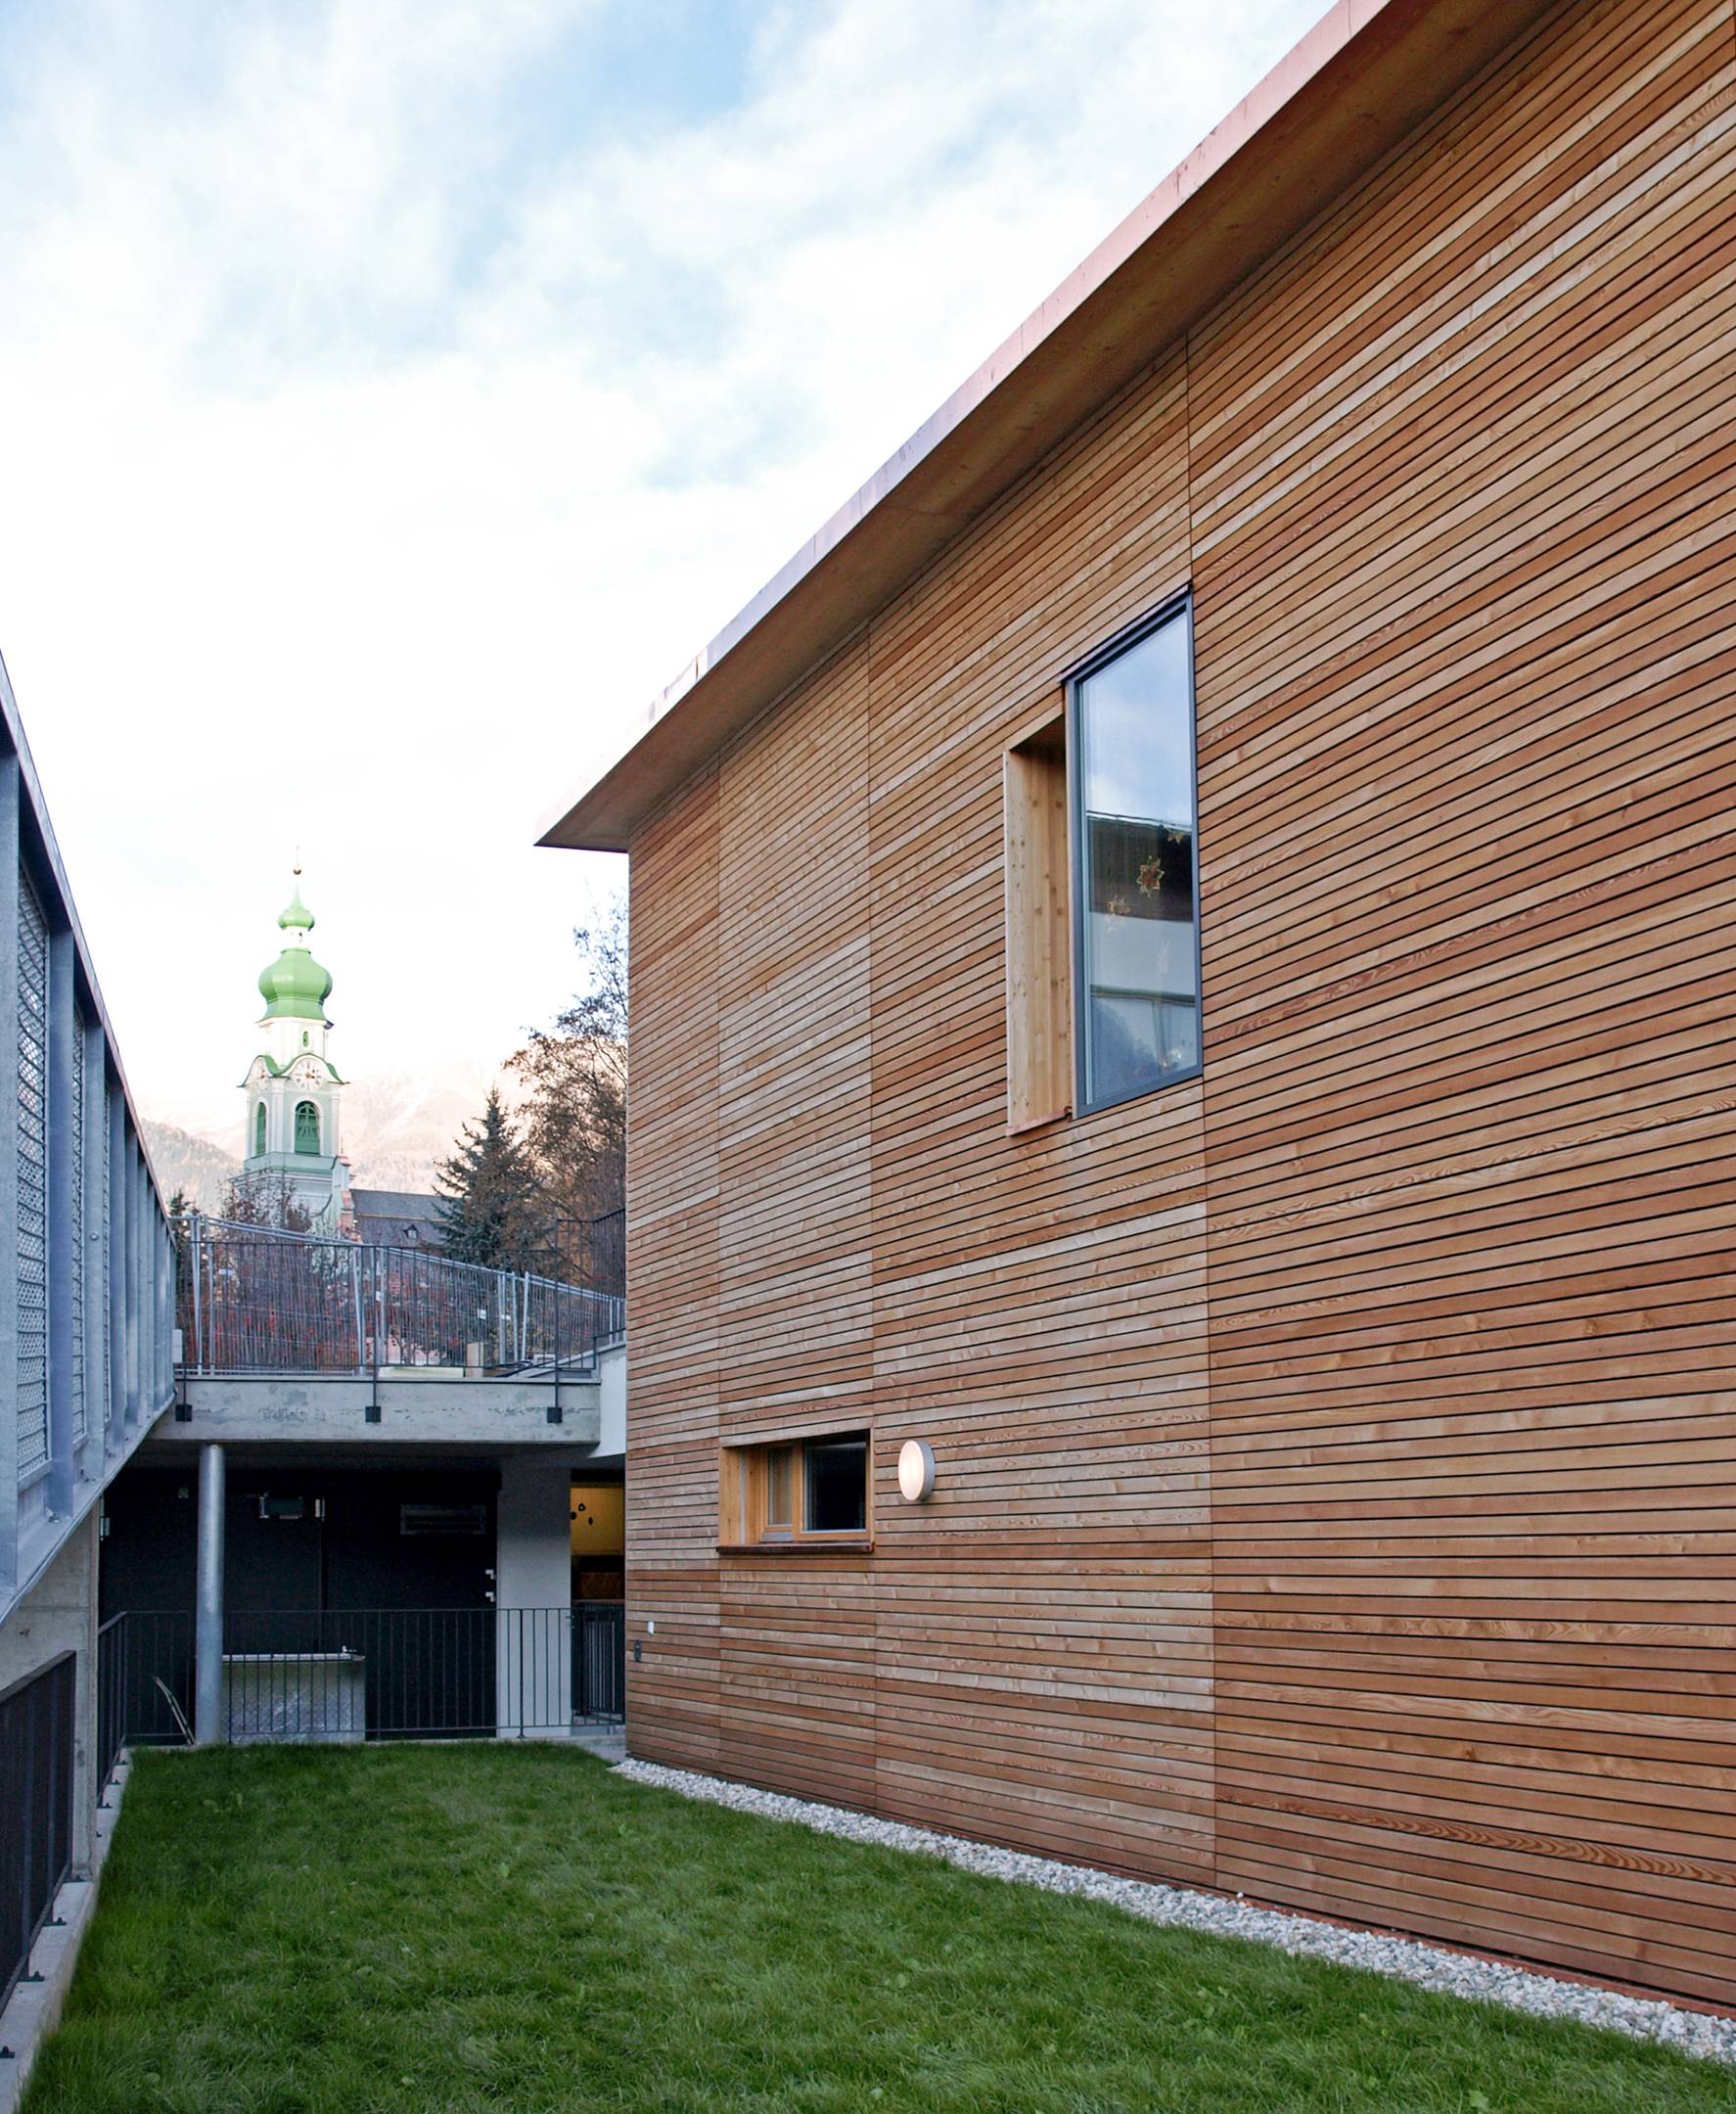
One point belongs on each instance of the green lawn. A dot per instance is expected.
(474, 1927)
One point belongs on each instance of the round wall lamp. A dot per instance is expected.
(916, 1470)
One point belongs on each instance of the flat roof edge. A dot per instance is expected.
(1365, 76)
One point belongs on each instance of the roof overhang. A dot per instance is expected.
(1366, 75)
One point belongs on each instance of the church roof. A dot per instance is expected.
(397, 1218)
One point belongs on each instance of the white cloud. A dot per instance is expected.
(371, 459)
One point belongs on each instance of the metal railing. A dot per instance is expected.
(36, 1809)
(255, 1300)
(110, 1697)
(605, 1252)
(600, 1662)
(342, 1676)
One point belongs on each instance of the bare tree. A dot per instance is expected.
(573, 1123)
(265, 1200)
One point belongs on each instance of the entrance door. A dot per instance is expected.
(273, 1561)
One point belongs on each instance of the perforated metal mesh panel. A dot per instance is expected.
(98, 1308)
(32, 1182)
(79, 1221)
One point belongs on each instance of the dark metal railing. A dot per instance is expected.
(36, 1809)
(111, 1696)
(599, 1660)
(342, 1676)
(144, 1681)
(252, 1299)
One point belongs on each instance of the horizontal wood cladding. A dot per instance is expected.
(1337, 1452)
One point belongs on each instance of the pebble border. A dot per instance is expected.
(1431, 1967)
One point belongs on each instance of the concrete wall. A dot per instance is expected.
(612, 1403)
(533, 1560)
(58, 1613)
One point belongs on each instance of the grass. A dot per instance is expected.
(485, 1929)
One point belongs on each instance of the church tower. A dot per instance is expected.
(291, 1085)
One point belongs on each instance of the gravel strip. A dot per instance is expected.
(1458, 1975)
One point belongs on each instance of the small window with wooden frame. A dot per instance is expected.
(797, 1492)
(1039, 927)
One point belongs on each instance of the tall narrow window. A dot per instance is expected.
(306, 1128)
(1139, 916)
(259, 1130)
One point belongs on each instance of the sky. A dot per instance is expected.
(395, 393)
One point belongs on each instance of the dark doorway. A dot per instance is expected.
(390, 1568)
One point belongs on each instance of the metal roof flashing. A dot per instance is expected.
(1363, 78)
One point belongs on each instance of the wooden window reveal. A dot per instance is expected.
(1039, 933)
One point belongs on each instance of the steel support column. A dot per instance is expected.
(207, 1651)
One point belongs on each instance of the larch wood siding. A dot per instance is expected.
(1337, 1452)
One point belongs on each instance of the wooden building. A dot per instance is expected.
(1308, 1263)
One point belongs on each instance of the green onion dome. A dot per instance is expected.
(296, 987)
(297, 917)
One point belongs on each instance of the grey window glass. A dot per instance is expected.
(835, 1482)
(1140, 1016)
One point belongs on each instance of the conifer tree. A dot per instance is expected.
(487, 1203)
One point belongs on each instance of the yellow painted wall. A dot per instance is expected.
(599, 1520)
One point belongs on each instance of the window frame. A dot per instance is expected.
(744, 1487)
(1178, 605)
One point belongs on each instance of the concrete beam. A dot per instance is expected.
(415, 1409)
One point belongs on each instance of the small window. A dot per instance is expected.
(306, 1128)
(1136, 927)
(813, 1490)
